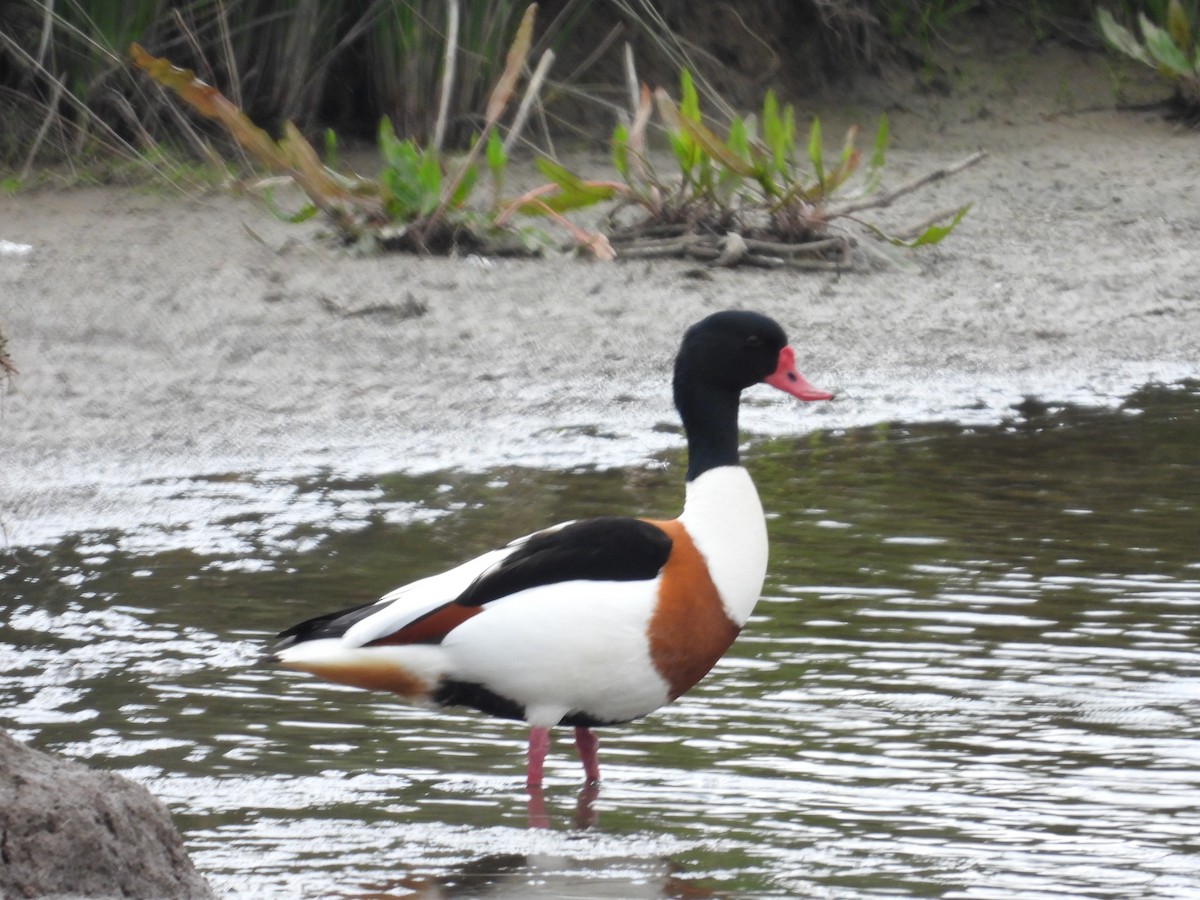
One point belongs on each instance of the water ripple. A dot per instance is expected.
(956, 684)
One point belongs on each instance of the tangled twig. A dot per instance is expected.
(734, 249)
(823, 247)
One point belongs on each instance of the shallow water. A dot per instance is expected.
(974, 673)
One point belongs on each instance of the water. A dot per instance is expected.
(975, 673)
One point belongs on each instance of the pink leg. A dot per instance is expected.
(587, 743)
(539, 743)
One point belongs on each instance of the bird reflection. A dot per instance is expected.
(513, 875)
(543, 875)
(585, 807)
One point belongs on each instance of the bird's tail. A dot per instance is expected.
(412, 671)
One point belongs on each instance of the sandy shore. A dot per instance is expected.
(158, 340)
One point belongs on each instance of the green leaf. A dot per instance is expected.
(620, 152)
(306, 212)
(689, 111)
(738, 142)
(931, 235)
(682, 144)
(779, 132)
(465, 185)
(559, 174)
(713, 148)
(1121, 38)
(429, 180)
(1170, 58)
(573, 191)
(429, 171)
(387, 138)
(773, 132)
(497, 158)
(789, 134)
(815, 153)
(882, 133)
(497, 162)
(411, 181)
(1179, 27)
(689, 100)
(770, 115)
(685, 151)
(589, 196)
(331, 148)
(738, 145)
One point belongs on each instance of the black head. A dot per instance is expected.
(729, 351)
(720, 357)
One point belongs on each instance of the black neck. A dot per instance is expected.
(710, 418)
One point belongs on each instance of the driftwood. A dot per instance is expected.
(733, 249)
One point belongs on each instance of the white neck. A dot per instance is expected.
(724, 517)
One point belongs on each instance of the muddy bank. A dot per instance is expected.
(161, 337)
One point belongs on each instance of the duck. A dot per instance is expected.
(593, 622)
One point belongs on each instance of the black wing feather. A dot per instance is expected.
(608, 548)
(333, 624)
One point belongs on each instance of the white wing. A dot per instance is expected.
(411, 601)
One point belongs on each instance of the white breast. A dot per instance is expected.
(725, 519)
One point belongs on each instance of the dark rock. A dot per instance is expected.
(66, 829)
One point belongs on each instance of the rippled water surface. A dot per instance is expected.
(975, 673)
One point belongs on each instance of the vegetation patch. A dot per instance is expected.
(756, 196)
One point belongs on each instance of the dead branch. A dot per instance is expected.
(731, 249)
(879, 201)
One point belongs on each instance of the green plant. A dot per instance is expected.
(419, 200)
(760, 194)
(1172, 49)
(781, 194)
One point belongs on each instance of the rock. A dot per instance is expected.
(66, 829)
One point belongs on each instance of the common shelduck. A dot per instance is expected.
(596, 621)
